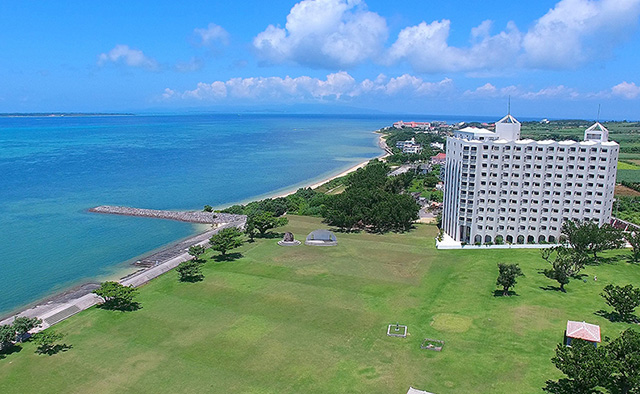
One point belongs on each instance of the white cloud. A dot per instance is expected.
(425, 47)
(130, 57)
(212, 34)
(626, 90)
(490, 91)
(575, 30)
(324, 33)
(194, 64)
(335, 86)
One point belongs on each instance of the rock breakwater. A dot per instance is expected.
(182, 216)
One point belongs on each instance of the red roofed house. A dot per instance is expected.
(582, 330)
(440, 158)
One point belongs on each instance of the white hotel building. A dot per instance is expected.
(500, 186)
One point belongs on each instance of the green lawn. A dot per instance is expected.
(312, 319)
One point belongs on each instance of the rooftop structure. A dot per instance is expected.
(440, 158)
(503, 189)
(582, 330)
(597, 132)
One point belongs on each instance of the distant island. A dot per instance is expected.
(59, 114)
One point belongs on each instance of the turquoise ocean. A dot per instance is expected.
(52, 169)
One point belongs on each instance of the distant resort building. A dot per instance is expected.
(500, 188)
(412, 125)
(409, 146)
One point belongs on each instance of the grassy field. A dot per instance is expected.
(311, 319)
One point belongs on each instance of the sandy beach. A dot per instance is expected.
(381, 143)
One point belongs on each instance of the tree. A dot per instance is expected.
(190, 271)
(116, 296)
(565, 263)
(623, 299)
(634, 240)
(250, 228)
(265, 221)
(208, 208)
(624, 355)
(587, 237)
(22, 325)
(226, 239)
(196, 251)
(7, 335)
(46, 342)
(507, 276)
(586, 367)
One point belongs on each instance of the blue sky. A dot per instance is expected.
(556, 59)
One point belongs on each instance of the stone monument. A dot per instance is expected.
(288, 240)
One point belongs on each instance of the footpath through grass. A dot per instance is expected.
(314, 319)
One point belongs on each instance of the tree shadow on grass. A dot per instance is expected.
(55, 349)
(270, 235)
(346, 230)
(550, 288)
(126, 307)
(615, 317)
(629, 259)
(227, 257)
(192, 279)
(500, 293)
(10, 350)
(603, 260)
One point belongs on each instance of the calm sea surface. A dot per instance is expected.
(52, 169)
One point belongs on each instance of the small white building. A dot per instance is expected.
(409, 146)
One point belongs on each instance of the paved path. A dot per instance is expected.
(64, 305)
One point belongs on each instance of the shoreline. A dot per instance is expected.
(287, 192)
(81, 295)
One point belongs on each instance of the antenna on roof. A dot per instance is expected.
(598, 120)
(509, 107)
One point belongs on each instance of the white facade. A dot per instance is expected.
(522, 190)
(409, 146)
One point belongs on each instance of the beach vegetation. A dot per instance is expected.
(117, 296)
(623, 299)
(196, 251)
(226, 239)
(507, 277)
(22, 325)
(264, 221)
(190, 271)
(7, 335)
(372, 202)
(208, 208)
